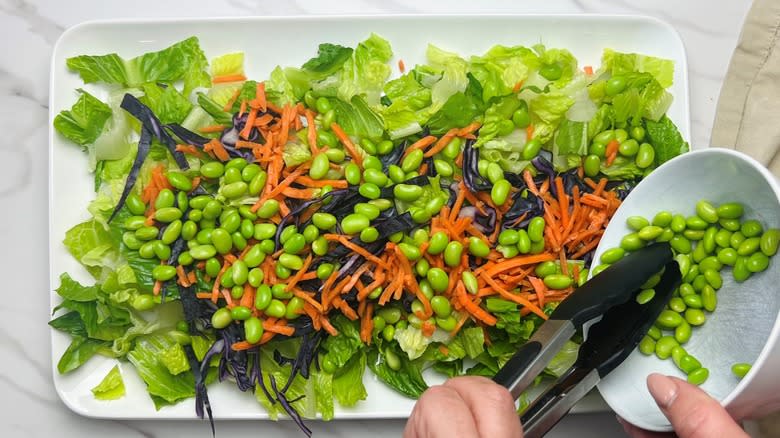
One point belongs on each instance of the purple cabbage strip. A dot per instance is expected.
(201, 394)
(147, 118)
(144, 144)
(257, 376)
(288, 408)
(542, 165)
(471, 177)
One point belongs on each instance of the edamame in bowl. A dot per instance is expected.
(720, 210)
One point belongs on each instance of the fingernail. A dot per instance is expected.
(663, 389)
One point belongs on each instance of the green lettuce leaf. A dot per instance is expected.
(167, 103)
(460, 109)
(622, 169)
(160, 383)
(499, 111)
(621, 63)
(72, 290)
(454, 77)
(81, 241)
(215, 110)
(356, 118)
(501, 68)
(84, 121)
(564, 359)
(79, 351)
(70, 323)
(341, 348)
(412, 341)
(330, 58)
(278, 88)
(228, 64)
(348, 388)
(561, 58)
(407, 380)
(365, 72)
(409, 108)
(111, 387)
(547, 110)
(666, 140)
(323, 391)
(571, 139)
(181, 61)
(473, 339)
(175, 359)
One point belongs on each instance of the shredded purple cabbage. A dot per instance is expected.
(149, 121)
(144, 144)
(201, 394)
(471, 178)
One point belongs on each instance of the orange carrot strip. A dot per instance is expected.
(212, 129)
(305, 296)
(328, 326)
(228, 78)
(529, 181)
(474, 309)
(335, 183)
(229, 105)
(442, 143)
(401, 66)
(513, 297)
(345, 140)
(157, 287)
(420, 144)
(519, 261)
(612, 151)
(312, 132)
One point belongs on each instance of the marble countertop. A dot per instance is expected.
(30, 28)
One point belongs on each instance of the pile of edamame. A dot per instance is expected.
(704, 244)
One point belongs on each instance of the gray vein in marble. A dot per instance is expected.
(17, 347)
(22, 388)
(12, 85)
(39, 25)
(19, 176)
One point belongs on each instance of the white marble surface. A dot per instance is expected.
(28, 31)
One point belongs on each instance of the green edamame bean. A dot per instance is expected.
(612, 255)
(749, 246)
(406, 192)
(257, 183)
(320, 246)
(212, 267)
(412, 161)
(645, 296)
(546, 268)
(255, 277)
(438, 279)
(677, 224)
(478, 247)
(706, 211)
(699, 282)
(557, 281)
(369, 235)
(421, 268)
(757, 262)
(130, 241)
(212, 169)
(135, 204)
(240, 313)
(708, 240)
(664, 346)
(680, 244)
(683, 332)
(709, 299)
(751, 228)
(508, 237)
(604, 136)
(146, 250)
(693, 300)
(324, 270)
(521, 118)
(438, 243)
(384, 147)
(494, 172)
(621, 135)
(710, 262)
(323, 221)
(276, 309)
(695, 223)
(523, 242)
(730, 224)
(167, 214)
(294, 244)
(688, 364)
(231, 222)
(250, 172)
(134, 222)
(240, 272)
(388, 332)
(179, 181)
(677, 354)
(441, 306)
(247, 229)
(654, 333)
(253, 329)
(236, 163)
(443, 168)
(374, 176)
(636, 223)
(536, 229)
(730, 210)
(500, 192)
(227, 278)
(221, 240)
(615, 85)
(269, 208)
(628, 148)
(695, 317)
(698, 376)
(172, 232)
(232, 174)
(638, 133)
(411, 252)
(369, 190)
(651, 282)
(452, 150)
(736, 239)
(598, 149)
(279, 291)
(650, 232)
(631, 242)
(470, 282)
(165, 199)
(447, 323)
(352, 173)
(531, 148)
(396, 174)
(368, 210)
(263, 297)
(669, 319)
(647, 346)
(320, 165)
(723, 238)
(597, 270)
(163, 272)
(235, 189)
(662, 219)
(354, 223)
(204, 236)
(212, 210)
(265, 231)
(677, 304)
(381, 204)
(741, 369)
(645, 156)
(221, 318)
(769, 242)
(452, 253)
(291, 261)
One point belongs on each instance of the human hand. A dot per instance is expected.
(692, 412)
(464, 407)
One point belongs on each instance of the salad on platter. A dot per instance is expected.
(290, 234)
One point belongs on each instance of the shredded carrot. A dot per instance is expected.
(216, 147)
(588, 70)
(442, 143)
(312, 132)
(517, 87)
(157, 287)
(519, 261)
(182, 276)
(529, 181)
(420, 144)
(474, 309)
(612, 151)
(212, 128)
(347, 142)
(335, 183)
(513, 297)
(228, 78)
(529, 132)
(428, 328)
(328, 326)
(260, 101)
(401, 66)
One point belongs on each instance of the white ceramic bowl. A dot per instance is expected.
(745, 327)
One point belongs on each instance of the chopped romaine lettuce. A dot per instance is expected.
(621, 63)
(112, 387)
(84, 122)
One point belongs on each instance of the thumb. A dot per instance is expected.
(692, 412)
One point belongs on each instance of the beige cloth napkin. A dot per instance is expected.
(748, 113)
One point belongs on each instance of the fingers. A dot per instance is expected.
(691, 411)
(491, 406)
(441, 412)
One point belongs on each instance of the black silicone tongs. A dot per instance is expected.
(610, 297)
